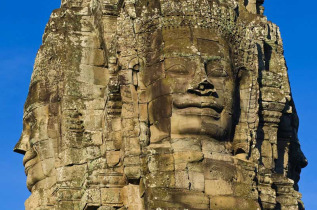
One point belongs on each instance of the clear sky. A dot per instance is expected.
(22, 25)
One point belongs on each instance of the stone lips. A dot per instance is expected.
(161, 104)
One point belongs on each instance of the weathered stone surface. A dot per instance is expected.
(161, 104)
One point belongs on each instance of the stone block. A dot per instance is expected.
(128, 110)
(245, 190)
(186, 144)
(132, 146)
(162, 162)
(213, 169)
(114, 180)
(101, 77)
(96, 138)
(72, 156)
(166, 179)
(132, 172)
(182, 180)
(229, 202)
(191, 199)
(197, 181)
(160, 108)
(71, 176)
(159, 88)
(143, 114)
(93, 57)
(126, 81)
(266, 149)
(267, 162)
(218, 187)
(117, 141)
(188, 156)
(152, 73)
(131, 197)
(92, 152)
(160, 130)
(176, 199)
(111, 196)
(91, 197)
(113, 158)
(132, 160)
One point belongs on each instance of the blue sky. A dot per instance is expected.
(22, 26)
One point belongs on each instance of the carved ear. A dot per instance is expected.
(241, 73)
(134, 62)
(241, 140)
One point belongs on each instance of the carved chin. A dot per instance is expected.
(34, 175)
(199, 125)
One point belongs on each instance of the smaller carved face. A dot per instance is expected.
(37, 147)
(294, 159)
(297, 162)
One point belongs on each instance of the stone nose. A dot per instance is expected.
(303, 160)
(23, 145)
(304, 163)
(205, 85)
(204, 88)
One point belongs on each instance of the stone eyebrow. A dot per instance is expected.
(212, 58)
(176, 65)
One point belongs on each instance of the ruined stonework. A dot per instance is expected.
(161, 104)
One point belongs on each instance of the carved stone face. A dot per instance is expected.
(297, 162)
(36, 144)
(198, 73)
(39, 151)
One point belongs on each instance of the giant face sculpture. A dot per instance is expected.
(203, 87)
(199, 76)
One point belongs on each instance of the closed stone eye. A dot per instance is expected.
(214, 68)
(177, 69)
(217, 73)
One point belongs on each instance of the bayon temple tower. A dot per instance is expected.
(161, 104)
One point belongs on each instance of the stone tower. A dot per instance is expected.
(161, 104)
